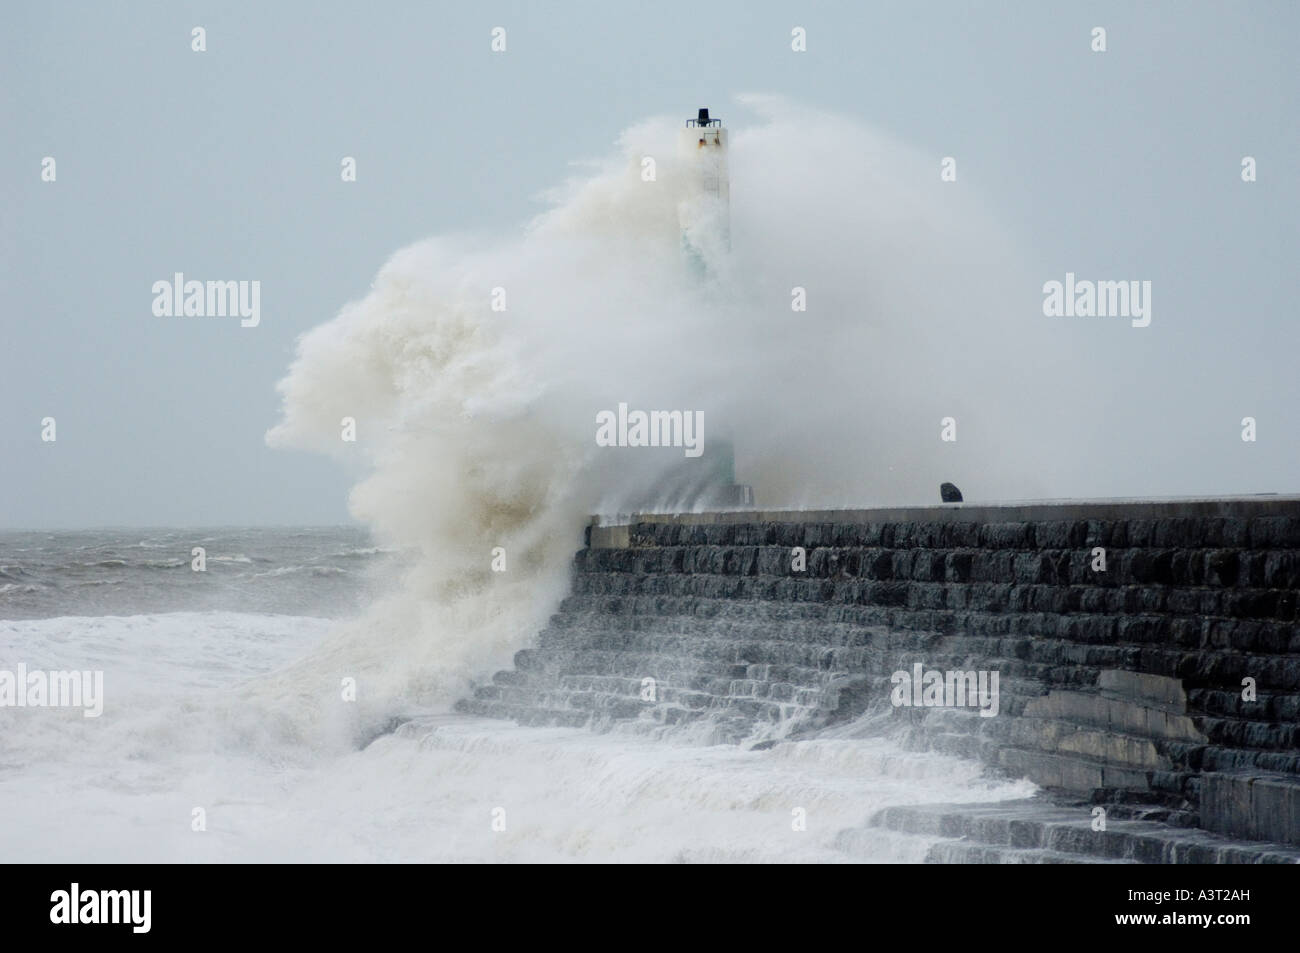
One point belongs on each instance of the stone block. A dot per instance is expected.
(1154, 689)
(1267, 532)
(1250, 805)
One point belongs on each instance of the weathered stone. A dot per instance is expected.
(1122, 683)
(1256, 806)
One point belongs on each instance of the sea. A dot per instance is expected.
(197, 755)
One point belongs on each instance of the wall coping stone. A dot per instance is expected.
(1266, 504)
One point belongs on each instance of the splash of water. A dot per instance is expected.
(477, 425)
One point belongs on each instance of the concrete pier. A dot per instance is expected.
(1148, 652)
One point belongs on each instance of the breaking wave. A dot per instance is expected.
(475, 427)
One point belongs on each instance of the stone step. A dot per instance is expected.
(944, 656)
(1083, 775)
(1098, 744)
(1248, 733)
(966, 852)
(1109, 628)
(1108, 712)
(522, 715)
(1252, 804)
(630, 706)
(1190, 567)
(1270, 605)
(624, 672)
(1268, 706)
(1229, 759)
(724, 726)
(856, 642)
(1035, 824)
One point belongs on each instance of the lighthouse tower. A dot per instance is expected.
(704, 212)
(705, 208)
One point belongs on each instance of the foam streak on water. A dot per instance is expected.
(181, 730)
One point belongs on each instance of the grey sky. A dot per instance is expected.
(225, 164)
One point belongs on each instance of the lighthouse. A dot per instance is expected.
(704, 211)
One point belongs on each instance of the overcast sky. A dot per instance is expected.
(225, 164)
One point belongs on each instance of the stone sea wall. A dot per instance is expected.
(1146, 653)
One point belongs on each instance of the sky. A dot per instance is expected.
(226, 164)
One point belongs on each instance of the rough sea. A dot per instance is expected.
(204, 753)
